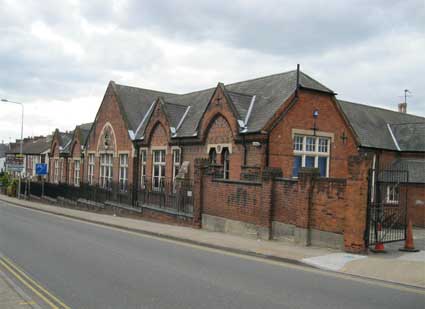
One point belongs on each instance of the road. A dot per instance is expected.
(91, 266)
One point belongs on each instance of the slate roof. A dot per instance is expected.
(409, 136)
(381, 128)
(65, 141)
(37, 146)
(136, 102)
(269, 91)
(32, 146)
(374, 127)
(174, 112)
(84, 132)
(415, 168)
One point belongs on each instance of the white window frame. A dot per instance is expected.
(143, 162)
(392, 196)
(176, 163)
(56, 171)
(62, 170)
(312, 153)
(226, 162)
(161, 167)
(77, 167)
(106, 167)
(91, 167)
(123, 174)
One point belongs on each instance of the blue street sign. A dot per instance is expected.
(41, 169)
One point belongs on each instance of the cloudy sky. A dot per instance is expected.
(58, 56)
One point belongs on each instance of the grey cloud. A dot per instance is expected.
(368, 52)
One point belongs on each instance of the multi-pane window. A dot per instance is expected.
(176, 162)
(226, 163)
(213, 156)
(158, 174)
(62, 170)
(106, 165)
(323, 145)
(392, 193)
(298, 143)
(310, 144)
(76, 173)
(143, 160)
(91, 166)
(311, 151)
(56, 171)
(123, 172)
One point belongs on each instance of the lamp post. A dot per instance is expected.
(22, 138)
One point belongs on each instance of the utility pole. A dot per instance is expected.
(22, 140)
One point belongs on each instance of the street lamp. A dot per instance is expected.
(22, 137)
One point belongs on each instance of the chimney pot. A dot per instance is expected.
(402, 108)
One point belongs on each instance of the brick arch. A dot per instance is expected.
(75, 143)
(55, 144)
(209, 122)
(107, 126)
(154, 129)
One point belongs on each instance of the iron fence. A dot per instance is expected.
(161, 194)
(387, 205)
(167, 194)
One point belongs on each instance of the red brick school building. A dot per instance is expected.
(274, 157)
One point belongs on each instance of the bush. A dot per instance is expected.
(5, 180)
(11, 188)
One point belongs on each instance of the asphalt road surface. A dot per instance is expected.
(90, 266)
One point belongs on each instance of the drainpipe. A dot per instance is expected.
(267, 149)
(136, 171)
(298, 81)
(244, 150)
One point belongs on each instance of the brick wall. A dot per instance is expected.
(416, 204)
(300, 117)
(235, 200)
(109, 117)
(307, 203)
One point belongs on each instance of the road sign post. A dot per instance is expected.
(41, 170)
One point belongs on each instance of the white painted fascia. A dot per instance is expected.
(144, 118)
(131, 134)
(393, 137)
(183, 118)
(248, 114)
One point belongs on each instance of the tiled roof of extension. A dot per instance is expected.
(414, 167)
(385, 129)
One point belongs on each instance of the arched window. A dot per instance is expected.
(226, 162)
(213, 156)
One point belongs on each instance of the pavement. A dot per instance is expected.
(394, 266)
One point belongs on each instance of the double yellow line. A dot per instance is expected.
(31, 284)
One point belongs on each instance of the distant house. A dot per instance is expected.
(35, 150)
(3, 149)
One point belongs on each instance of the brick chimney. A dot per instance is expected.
(402, 107)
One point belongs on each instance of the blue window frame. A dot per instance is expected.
(309, 161)
(323, 166)
(297, 166)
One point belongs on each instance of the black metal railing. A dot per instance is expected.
(387, 205)
(162, 194)
(168, 194)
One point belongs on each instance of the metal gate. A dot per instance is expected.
(387, 205)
